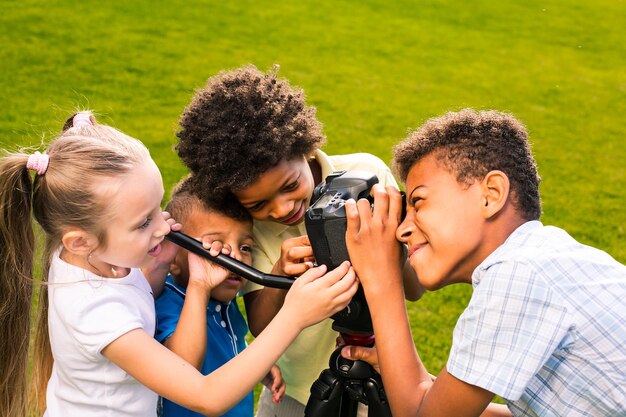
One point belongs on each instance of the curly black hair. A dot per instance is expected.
(241, 124)
(470, 144)
(185, 199)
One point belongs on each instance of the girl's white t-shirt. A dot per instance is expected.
(86, 313)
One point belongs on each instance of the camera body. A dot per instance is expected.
(326, 225)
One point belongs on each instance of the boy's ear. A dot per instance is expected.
(79, 242)
(495, 187)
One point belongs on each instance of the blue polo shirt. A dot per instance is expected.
(226, 331)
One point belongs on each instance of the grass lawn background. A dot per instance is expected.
(373, 69)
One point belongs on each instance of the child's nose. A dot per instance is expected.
(406, 228)
(236, 253)
(163, 229)
(281, 208)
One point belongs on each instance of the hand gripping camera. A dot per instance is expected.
(340, 388)
(326, 224)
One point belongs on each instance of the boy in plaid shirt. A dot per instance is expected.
(545, 326)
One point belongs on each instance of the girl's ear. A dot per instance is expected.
(79, 242)
(495, 188)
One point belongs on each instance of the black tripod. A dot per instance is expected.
(346, 383)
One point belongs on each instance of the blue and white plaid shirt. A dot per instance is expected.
(545, 328)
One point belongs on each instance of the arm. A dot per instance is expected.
(170, 376)
(496, 410)
(409, 387)
(413, 290)
(369, 355)
(296, 257)
(189, 340)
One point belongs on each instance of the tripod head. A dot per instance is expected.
(346, 383)
(358, 339)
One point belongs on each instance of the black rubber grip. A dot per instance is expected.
(233, 265)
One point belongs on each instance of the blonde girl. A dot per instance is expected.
(96, 193)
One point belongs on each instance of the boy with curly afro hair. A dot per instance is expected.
(242, 124)
(544, 328)
(251, 134)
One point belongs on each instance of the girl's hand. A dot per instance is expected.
(317, 295)
(296, 257)
(203, 273)
(175, 226)
(168, 249)
(275, 383)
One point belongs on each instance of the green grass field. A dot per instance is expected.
(374, 69)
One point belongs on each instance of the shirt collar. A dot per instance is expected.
(216, 307)
(213, 304)
(511, 241)
(324, 161)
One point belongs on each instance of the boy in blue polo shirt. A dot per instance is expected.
(197, 319)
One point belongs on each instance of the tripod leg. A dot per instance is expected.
(376, 398)
(349, 406)
(326, 396)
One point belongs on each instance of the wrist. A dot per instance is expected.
(376, 285)
(289, 322)
(198, 290)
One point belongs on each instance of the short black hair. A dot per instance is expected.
(185, 199)
(470, 144)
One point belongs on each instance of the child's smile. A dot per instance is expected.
(294, 218)
(137, 227)
(280, 194)
(415, 248)
(154, 252)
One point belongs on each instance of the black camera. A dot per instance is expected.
(326, 224)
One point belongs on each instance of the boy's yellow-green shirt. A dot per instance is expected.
(308, 355)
